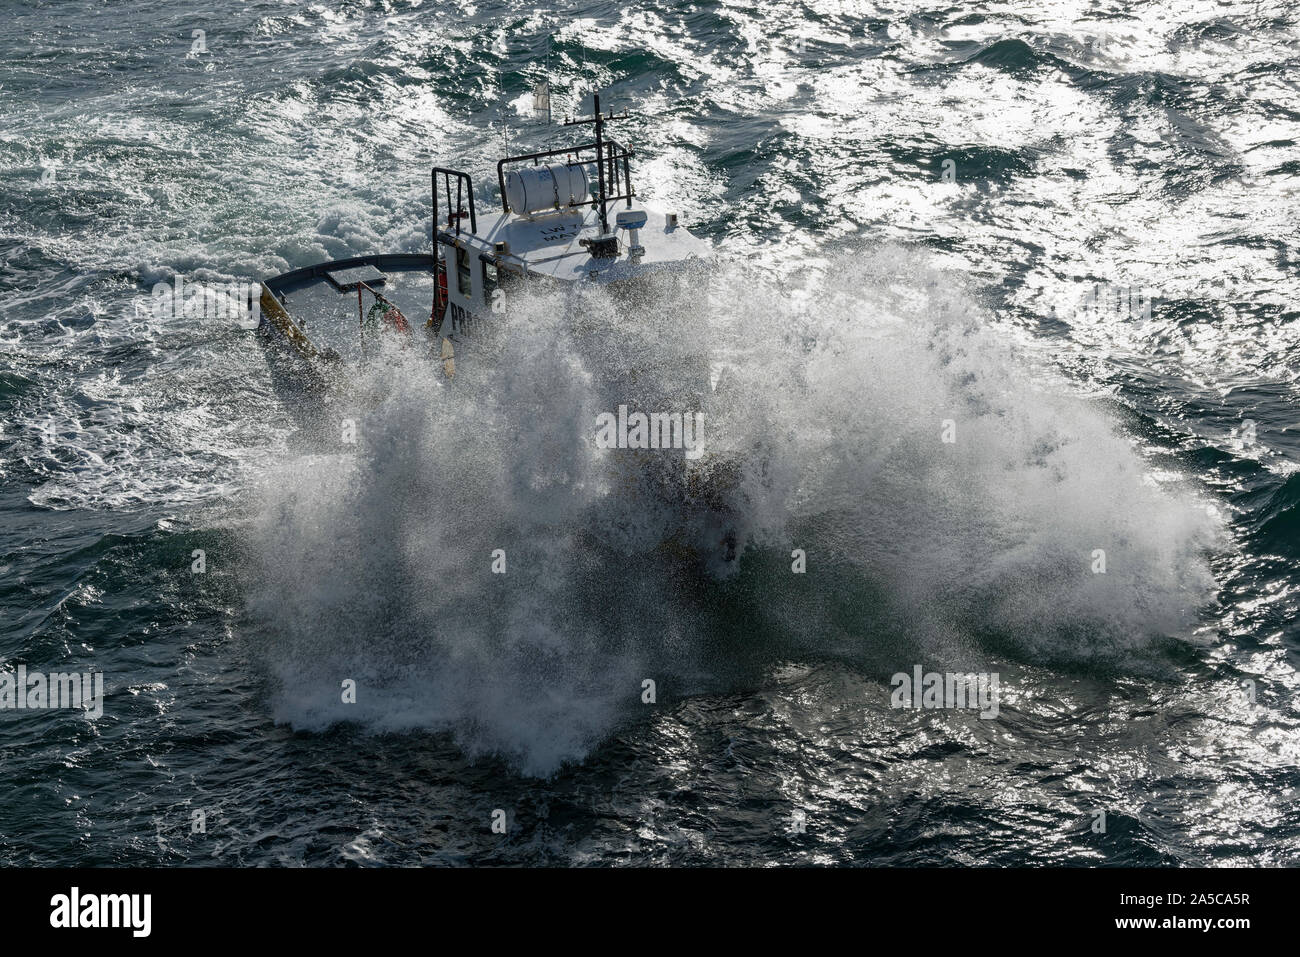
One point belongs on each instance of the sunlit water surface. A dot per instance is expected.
(915, 207)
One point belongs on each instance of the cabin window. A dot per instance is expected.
(490, 279)
(462, 272)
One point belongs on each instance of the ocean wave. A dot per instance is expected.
(374, 564)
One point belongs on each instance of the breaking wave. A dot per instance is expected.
(946, 492)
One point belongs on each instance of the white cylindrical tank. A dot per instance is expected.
(532, 189)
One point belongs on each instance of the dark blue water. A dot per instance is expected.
(867, 291)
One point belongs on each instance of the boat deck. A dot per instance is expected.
(548, 245)
(321, 300)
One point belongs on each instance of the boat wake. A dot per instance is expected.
(477, 564)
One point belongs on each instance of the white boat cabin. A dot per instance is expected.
(567, 214)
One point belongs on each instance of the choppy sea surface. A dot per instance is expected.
(1066, 234)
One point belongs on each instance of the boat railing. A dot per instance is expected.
(456, 211)
(613, 175)
(613, 165)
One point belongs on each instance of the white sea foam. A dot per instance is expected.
(375, 563)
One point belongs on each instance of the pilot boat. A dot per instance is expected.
(567, 216)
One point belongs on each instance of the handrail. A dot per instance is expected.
(462, 181)
(607, 157)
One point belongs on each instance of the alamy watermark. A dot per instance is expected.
(933, 689)
(1105, 301)
(238, 302)
(653, 430)
(21, 689)
(75, 910)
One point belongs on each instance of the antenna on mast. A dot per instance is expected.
(599, 119)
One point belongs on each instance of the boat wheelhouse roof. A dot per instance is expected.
(573, 238)
(551, 245)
